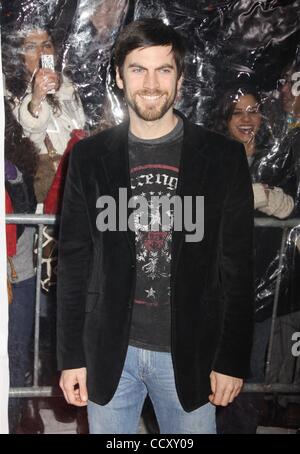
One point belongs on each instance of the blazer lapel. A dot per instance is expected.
(192, 175)
(193, 162)
(116, 167)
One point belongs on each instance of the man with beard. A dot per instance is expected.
(147, 308)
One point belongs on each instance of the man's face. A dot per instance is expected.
(150, 81)
(290, 103)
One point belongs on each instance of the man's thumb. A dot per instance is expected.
(83, 389)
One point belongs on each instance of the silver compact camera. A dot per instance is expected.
(47, 62)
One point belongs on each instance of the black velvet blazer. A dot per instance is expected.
(211, 280)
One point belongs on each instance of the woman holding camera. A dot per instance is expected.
(44, 101)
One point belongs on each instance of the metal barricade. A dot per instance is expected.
(47, 391)
(268, 387)
(40, 220)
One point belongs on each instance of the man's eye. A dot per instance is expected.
(165, 70)
(137, 70)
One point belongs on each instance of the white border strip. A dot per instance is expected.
(4, 375)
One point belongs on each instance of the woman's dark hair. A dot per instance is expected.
(146, 33)
(20, 150)
(225, 107)
(14, 69)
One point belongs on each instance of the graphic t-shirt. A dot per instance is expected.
(154, 166)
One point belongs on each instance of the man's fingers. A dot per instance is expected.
(70, 391)
(73, 384)
(213, 382)
(65, 395)
(218, 396)
(78, 401)
(83, 394)
(237, 391)
(62, 386)
(227, 396)
(223, 396)
(217, 388)
(230, 394)
(211, 398)
(224, 388)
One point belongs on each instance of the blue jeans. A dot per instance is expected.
(149, 372)
(20, 342)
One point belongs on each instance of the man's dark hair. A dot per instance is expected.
(147, 33)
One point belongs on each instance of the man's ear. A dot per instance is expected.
(119, 80)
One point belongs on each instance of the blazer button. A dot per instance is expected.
(133, 267)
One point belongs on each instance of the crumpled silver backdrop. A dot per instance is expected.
(230, 43)
(226, 40)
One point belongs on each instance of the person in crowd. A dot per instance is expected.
(290, 95)
(283, 110)
(239, 115)
(87, 59)
(140, 311)
(46, 104)
(44, 101)
(21, 161)
(286, 367)
(282, 107)
(290, 133)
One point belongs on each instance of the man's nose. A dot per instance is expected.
(151, 80)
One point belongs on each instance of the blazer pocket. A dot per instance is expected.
(91, 301)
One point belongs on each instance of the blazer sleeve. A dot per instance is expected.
(75, 246)
(236, 260)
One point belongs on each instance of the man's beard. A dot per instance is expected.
(154, 112)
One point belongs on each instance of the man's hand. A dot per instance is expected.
(224, 388)
(73, 384)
